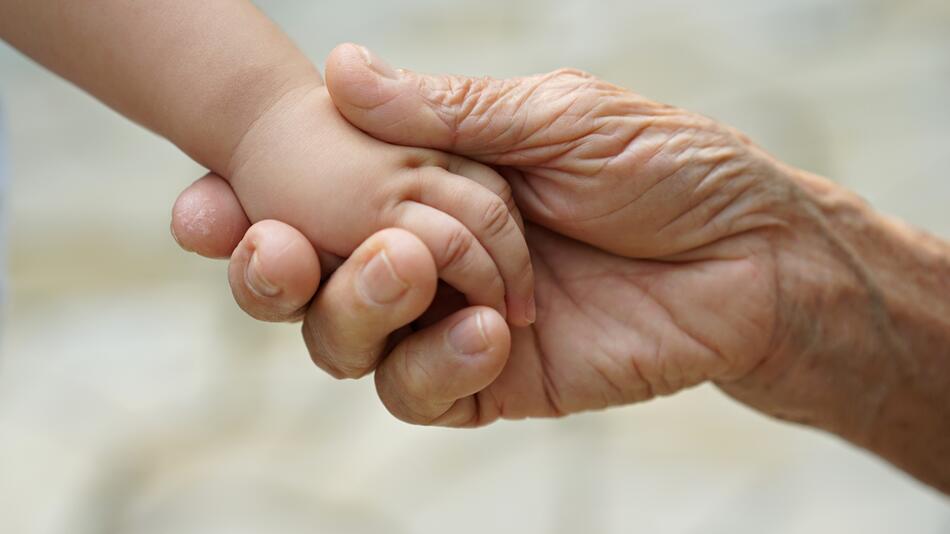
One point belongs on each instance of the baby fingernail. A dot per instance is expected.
(531, 312)
(379, 282)
(378, 65)
(468, 337)
(256, 280)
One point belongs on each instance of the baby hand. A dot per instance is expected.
(303, 164)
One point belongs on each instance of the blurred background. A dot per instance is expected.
(136, 398)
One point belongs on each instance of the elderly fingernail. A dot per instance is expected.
(468, 337)
(256, 281)
(378, 65)
(379, 282)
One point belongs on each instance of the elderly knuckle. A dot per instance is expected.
(328, 366)
(471, 420)
(317, 351)
(400, 407)
(469, 92)
(328, 353)
(452, 93)
(353, 368)
(416, 378)
(464, 102)
(412, 401)
(570, 73)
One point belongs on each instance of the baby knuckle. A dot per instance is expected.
(495, 217)
(504, 192)
(458, 244)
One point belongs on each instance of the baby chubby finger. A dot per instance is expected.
(386, 283)
(435, 376)
(486, 177)
(489, 218)
(274, 272)
(461, 260)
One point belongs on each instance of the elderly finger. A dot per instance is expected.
(384, 285)
(518, 121)
(434, 376)
(274, 272)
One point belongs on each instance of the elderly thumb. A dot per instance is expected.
(466, 116)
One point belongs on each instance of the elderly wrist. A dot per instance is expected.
(827, 307)
(856, 348)
(863, 350)
(911, 421)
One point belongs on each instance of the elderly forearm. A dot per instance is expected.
(865, 347)
(197, 73)
(909, 423)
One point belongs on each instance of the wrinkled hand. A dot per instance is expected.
(584, 158)
(609, 168)
(651, 233)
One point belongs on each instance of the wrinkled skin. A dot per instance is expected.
(670, 278)
(610, 168)
(612, 330)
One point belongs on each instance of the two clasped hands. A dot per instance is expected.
(594, 248)
(666, 250)
(521, 248)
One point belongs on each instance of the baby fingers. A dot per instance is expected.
(478, 204)
(461, 260)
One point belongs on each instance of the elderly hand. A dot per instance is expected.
(654, 267)
(627, 177)
(668, 251)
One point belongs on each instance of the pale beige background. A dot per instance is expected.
(136, 398)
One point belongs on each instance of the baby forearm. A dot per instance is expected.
(197, 73)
